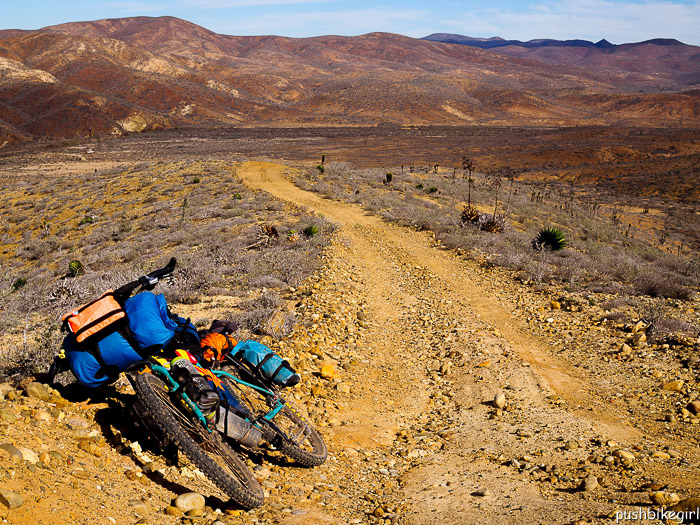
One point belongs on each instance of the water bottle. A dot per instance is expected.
(195, 386)
(238, 428)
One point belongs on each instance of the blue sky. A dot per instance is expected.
(616, 20)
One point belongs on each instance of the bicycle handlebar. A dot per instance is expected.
(147, 282)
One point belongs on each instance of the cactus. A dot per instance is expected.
(75, 268)
(549, 239)
(310, 231)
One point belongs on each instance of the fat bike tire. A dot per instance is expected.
(219, 463)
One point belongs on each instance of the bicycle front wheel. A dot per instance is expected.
(205, 449)
(288, 431)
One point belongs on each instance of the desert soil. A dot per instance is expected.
(421, 342)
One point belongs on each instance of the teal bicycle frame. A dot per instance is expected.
(175, 388)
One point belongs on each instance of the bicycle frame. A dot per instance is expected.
(175, 388)
(278, 405)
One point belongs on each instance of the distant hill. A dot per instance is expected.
(659, 56)
(135, 74)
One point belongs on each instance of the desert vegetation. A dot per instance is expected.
(545, 232)
(66, 239)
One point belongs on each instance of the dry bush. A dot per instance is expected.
(145, 215)
(599, 256)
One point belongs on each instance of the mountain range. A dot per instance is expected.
(133, 74)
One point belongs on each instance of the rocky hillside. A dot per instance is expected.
(135, 74)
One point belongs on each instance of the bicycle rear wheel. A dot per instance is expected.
(205, 449)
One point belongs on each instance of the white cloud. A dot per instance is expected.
(587, 19)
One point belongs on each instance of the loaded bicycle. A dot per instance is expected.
(210, 414)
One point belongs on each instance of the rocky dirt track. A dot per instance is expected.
(442, 342)
(448, 395)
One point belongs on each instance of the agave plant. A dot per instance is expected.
(551, 239)
(469, 214)
(492, 223)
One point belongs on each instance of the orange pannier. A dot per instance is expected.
(96, 317)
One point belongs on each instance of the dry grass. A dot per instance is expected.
(125, 222)
(603, 253)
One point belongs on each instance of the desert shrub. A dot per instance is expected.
(311, 230)
(550, 238)
(75, 268)
(257, 311)
(655, 285)
(32, 357)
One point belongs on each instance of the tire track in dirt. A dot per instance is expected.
(415, 291)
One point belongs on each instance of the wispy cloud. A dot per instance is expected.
(587, 19)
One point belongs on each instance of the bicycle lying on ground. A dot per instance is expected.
(172, 413)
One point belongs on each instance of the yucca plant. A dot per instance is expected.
(469, 215)
(75, 268)
(551, 239)
(492, 223)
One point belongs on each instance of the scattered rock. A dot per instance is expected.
(173, 511)
(29, 455)
(664, 498)
(189, 501)
(10, 499)
(674, 386)
(571, 445)
(688, 505)
(14, 452)
(589, 484)
(343, 388)
(328, 371)
(482, 493)
(624, 455)
(625, 350)
(7, 415)
(693, 407)
(139, 506)
(89, 446)
(499, 401)
(38, 391)
(80, 473)
(4, 389)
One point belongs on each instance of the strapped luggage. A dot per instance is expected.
(95, 319)
(147, 327)
(215, 346)
(266, 363)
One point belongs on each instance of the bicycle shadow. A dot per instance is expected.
(120, 428)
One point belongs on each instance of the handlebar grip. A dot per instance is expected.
(146, 281)
(168, 269)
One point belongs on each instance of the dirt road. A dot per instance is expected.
(441, 344)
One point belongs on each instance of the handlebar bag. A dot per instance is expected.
(153, 326)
